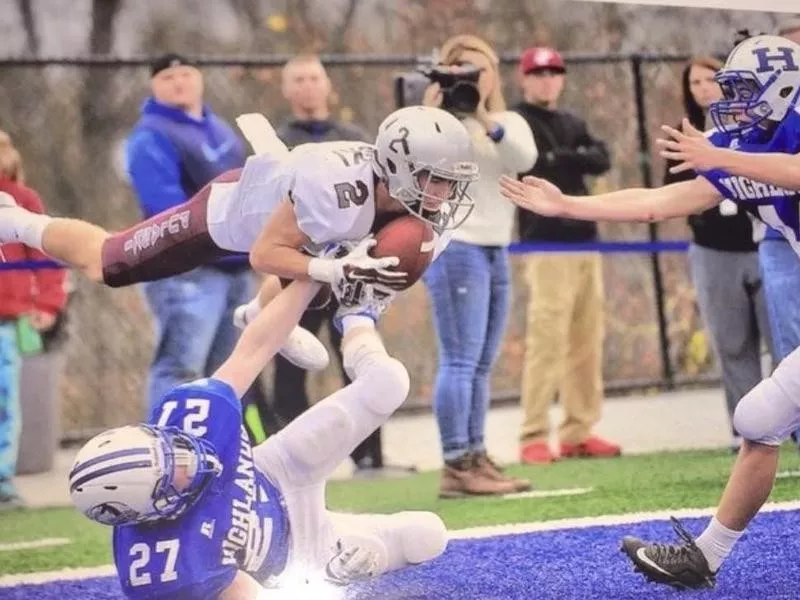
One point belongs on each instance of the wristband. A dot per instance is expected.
(322, 270)
(497, 133)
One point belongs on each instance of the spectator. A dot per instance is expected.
(177, 147)
(724, 261)
(30, 303)
(564, 347)
(469, 283)
(307, 89)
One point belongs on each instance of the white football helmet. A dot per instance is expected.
(419, 141)
(127, 475)
(760, 84)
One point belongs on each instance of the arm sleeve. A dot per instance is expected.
(517, 149)
(153, 167)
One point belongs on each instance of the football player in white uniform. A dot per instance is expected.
(199, 513)
(283, 208)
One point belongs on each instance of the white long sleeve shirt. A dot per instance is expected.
(492, 221)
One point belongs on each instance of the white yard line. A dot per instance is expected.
(60, 575)
(548, 493)
(34, 544)
(603, 520)
(470, 533)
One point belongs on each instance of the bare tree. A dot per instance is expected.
(29, 24)
(338, 40)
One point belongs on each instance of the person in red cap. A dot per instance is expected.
(564, 346)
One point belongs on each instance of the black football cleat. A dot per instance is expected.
(681, 566)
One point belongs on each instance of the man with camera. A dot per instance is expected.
(469, 283)
(564, 346)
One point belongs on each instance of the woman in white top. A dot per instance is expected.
(470, 283)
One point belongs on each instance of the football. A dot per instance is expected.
(411, 240)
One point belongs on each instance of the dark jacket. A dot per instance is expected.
(567, 152)
(710, 228)
(295, 132)
(171, 155)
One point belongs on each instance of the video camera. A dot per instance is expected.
(459, 89)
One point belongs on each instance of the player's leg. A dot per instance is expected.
(302, 455)
(70, 241)
(765, 417)
(169, 243)
(398, 540)
(310, 448)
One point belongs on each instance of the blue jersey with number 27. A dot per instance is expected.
(776, 206)
(237, 524)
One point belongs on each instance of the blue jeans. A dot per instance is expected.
(470, 290)
(194, 324)
(10, 415)
(780, 272)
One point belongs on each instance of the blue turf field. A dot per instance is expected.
(567, 564)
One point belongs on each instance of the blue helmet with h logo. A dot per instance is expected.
(760, 84)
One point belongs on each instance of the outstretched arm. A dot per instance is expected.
(781, 170)
(634, 204)
(262, 338)
(693, 150)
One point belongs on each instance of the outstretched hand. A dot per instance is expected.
(690, 147)
(534, 194)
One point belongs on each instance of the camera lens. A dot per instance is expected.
(463, 97)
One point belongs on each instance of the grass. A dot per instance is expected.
(628, 484)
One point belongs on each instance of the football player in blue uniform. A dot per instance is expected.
(752, 157)
(199, 513)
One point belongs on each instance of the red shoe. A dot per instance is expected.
(592, 447)
(536, 453)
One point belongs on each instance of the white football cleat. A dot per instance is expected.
(301, 348)
(304, 350)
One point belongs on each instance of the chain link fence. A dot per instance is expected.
(70, 118)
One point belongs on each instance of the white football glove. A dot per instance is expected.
(350, 275)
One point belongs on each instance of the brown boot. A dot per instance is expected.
(463, 478)
(491, 469)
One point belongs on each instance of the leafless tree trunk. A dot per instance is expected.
(339, 37)
(29, 24)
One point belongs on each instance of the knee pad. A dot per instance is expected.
(424, 537)
(766, 415)
(388, 379)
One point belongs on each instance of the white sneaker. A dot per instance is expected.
(301, 348)
(304, 350)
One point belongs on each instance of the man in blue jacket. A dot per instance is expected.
(178, 146)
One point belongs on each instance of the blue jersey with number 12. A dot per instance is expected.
(237, 524)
